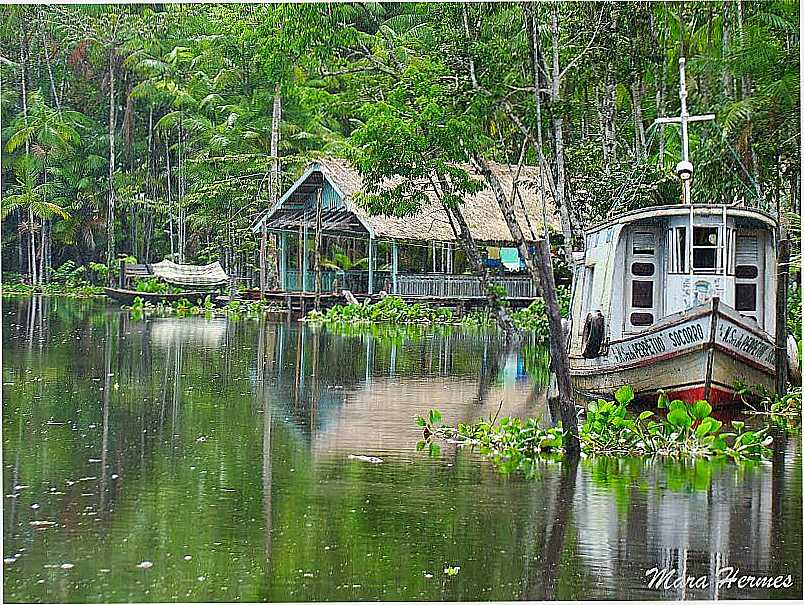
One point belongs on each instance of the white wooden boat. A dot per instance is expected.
(678, 298)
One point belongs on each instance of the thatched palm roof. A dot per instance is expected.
(481, 210)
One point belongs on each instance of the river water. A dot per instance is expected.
(212, 460)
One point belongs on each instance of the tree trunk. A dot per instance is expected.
(558, 349)
(558, 135)
(660, 92)
(24, 86)
(20, 245)
(317, 251)
(56, 99)
(608, 112)
(110, 217)
(170, 199)
(745, 92)
(639, 124)
(271, 259)
(181, 191)
(541, 271)
(276, 120)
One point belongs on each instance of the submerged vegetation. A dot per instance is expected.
(609, 429)
(394, 310)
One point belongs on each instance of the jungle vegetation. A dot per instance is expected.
(156, 131)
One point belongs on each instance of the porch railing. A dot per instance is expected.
(460, 286)
(434, 285)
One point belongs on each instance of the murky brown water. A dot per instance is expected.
(209, 460)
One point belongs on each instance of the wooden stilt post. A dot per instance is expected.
(299, 259)
(263, 267)
(317, 252)
(283, 261)
(122, 277)
(783, 271)
(371, 265)
(305, 260)
(394, 267)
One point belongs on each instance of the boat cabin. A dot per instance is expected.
(655, 262)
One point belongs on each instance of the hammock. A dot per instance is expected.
(202, 276)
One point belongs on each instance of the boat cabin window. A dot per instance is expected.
(705, 249)
(643, 243)
(641, 273)
(677, 247)
(642, 294)
(641, 319)
(745, 297)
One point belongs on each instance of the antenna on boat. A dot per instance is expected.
(684, 168)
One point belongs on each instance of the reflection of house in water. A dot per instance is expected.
(360, 393)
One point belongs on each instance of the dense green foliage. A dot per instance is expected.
(394, 310)
(608, 429)
(235, 309)
(150, 130)
(154, 285)
(532, 318)
(391, 309)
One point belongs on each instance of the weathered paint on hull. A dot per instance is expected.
(700, 354)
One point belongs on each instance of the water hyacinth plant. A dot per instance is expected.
(687, 430)
(391, 309)
(609, 429)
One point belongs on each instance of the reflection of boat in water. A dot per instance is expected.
(209, 333)
(677, 298)
(692, 518)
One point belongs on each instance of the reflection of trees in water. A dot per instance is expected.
(593, 535)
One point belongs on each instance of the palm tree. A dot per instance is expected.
(29, 195)
(44, 133)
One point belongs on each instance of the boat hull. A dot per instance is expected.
(127, 297)
(703, 353)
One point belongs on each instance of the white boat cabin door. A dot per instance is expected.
(749, 272)
(643, 275)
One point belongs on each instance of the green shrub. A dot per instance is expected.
(688, 431)
(154, 285)
(391, 309)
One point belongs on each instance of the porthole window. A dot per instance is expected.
(745, 297)
(746, 271)
(642, 294)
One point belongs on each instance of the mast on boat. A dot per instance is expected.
(684, 168)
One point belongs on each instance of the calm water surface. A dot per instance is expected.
(211, 460)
